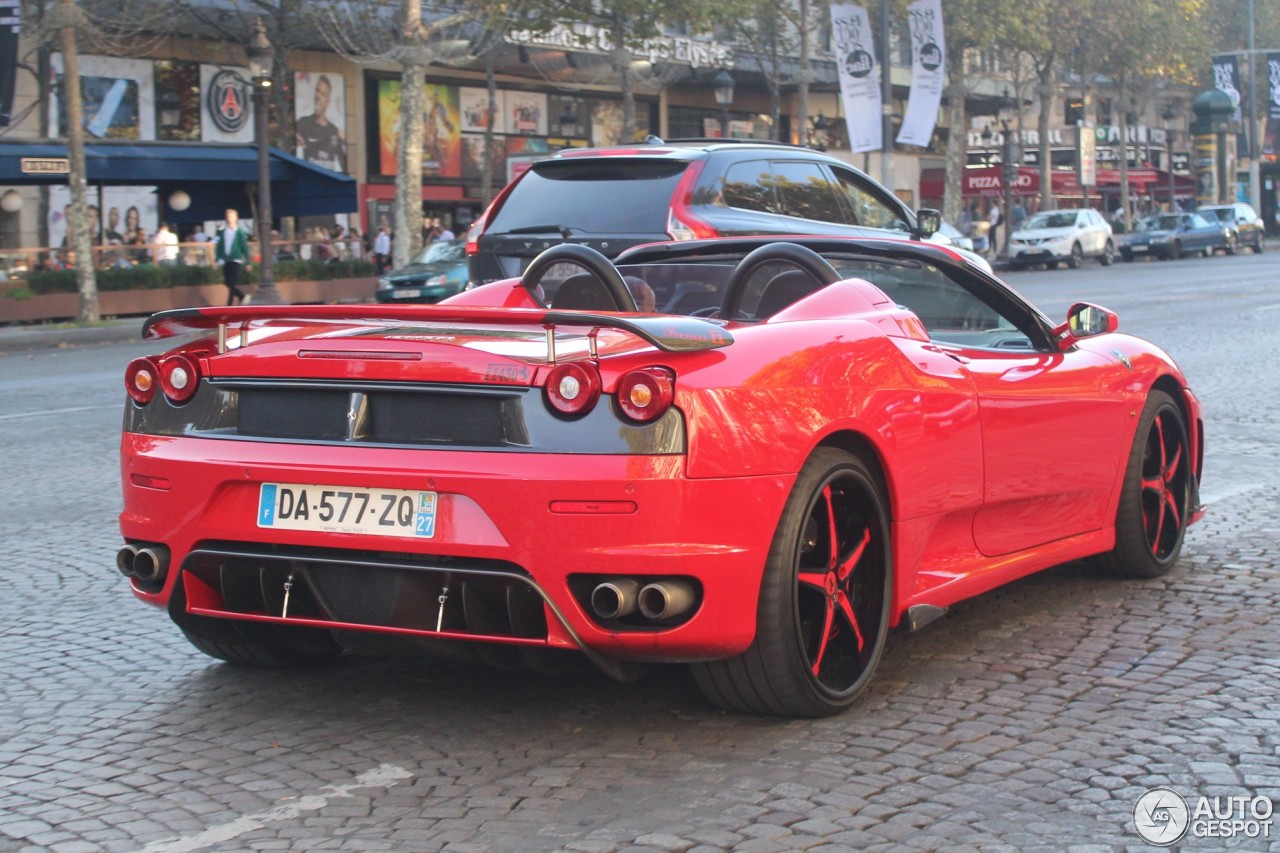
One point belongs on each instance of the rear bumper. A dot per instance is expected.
(495, 510)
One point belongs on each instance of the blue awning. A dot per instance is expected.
(215, 176)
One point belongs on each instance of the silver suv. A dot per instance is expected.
(1064, 236)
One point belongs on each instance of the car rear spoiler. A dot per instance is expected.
(667, 333)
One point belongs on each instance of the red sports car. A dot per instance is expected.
(801, 444)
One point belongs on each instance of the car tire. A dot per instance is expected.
(1258, 246)
(1076, 257)
(1230, 248)
(268, 647)
(1155, 497)
(1108, 254)
(823, 611)
(1175, 251)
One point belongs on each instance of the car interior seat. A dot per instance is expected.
(584, 292)
(784, 289)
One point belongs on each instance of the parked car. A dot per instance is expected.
(1169, 236)
(614, 198)
(1065, 236)
(439, 271)
(816, 440)
(1247, 227)
(949, 235)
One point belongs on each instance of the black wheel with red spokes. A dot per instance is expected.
(824, 600)
(1157, 494)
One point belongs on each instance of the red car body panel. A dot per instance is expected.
(996, 464)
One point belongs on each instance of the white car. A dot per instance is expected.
(1068, 236)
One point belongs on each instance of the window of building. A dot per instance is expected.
(1072, 111)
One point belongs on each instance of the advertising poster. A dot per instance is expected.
(320, 110)
(117, 97)
(126, 210)
(1271, 141)
(442, 134)
(226, 104)
(473, 157)
(473, 108)
(859, 76)
(526, 113)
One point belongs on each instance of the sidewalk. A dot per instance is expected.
(27, 338)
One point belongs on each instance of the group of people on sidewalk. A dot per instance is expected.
(985, 229)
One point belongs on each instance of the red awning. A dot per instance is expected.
(988, 182)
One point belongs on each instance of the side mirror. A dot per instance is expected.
(1085, 320)
(928, 221)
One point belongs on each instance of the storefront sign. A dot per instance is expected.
(589, 38)
(46, 166)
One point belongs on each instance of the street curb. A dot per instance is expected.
(29, 338)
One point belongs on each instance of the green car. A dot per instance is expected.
(440, 271)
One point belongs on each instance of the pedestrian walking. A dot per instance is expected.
(231, 252)
(382, 249)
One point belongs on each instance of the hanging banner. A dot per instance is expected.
(928, 73)
(859, 83)
(10, 24)
(1226, 76)
(1271, 142)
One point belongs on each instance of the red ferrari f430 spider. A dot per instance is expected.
(754, 456)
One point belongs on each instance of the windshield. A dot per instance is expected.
(444, 250)
(1159, 223)
(1052, 219)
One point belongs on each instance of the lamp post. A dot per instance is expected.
(1169, 115)
(261, 65)
(724, 97)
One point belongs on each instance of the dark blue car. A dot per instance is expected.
(1169, 236)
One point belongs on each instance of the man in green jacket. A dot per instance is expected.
(231, 252)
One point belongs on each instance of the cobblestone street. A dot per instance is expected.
(1031, 718)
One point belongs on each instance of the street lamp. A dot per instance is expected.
(821, 132)
(724, 97)
(261, 67)
(1169, 115)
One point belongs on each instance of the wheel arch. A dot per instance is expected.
(1175, 389)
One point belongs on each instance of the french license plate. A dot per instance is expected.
(410, 293)
(1139, 248)
(341, 509)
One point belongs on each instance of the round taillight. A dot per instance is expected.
(645, 394)
(573, 388)
(141, 378)
(179, 377)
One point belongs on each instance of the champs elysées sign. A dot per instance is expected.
(589, 38)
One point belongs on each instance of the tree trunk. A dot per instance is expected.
(1122, 119)
(486, 169)
(78, 236)
(621, 59)
(802, 93)
(958, 124)
(408, 236)
(1045, 93)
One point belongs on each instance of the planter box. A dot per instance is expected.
(124, 303)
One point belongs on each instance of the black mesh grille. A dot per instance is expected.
(393, 417)
(349, 595)
(285, 413)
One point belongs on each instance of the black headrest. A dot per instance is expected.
(784, 289)
(584, 292)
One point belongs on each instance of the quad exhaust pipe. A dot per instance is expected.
(147, 563)
(656, 601)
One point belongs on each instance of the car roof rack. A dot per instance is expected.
(714, 140)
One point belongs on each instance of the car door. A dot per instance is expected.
(1054, 424)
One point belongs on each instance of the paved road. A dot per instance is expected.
(1031, 718)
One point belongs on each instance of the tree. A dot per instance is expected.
(629, 25)
(121, 26)
(413, 35)
(1140, 47)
